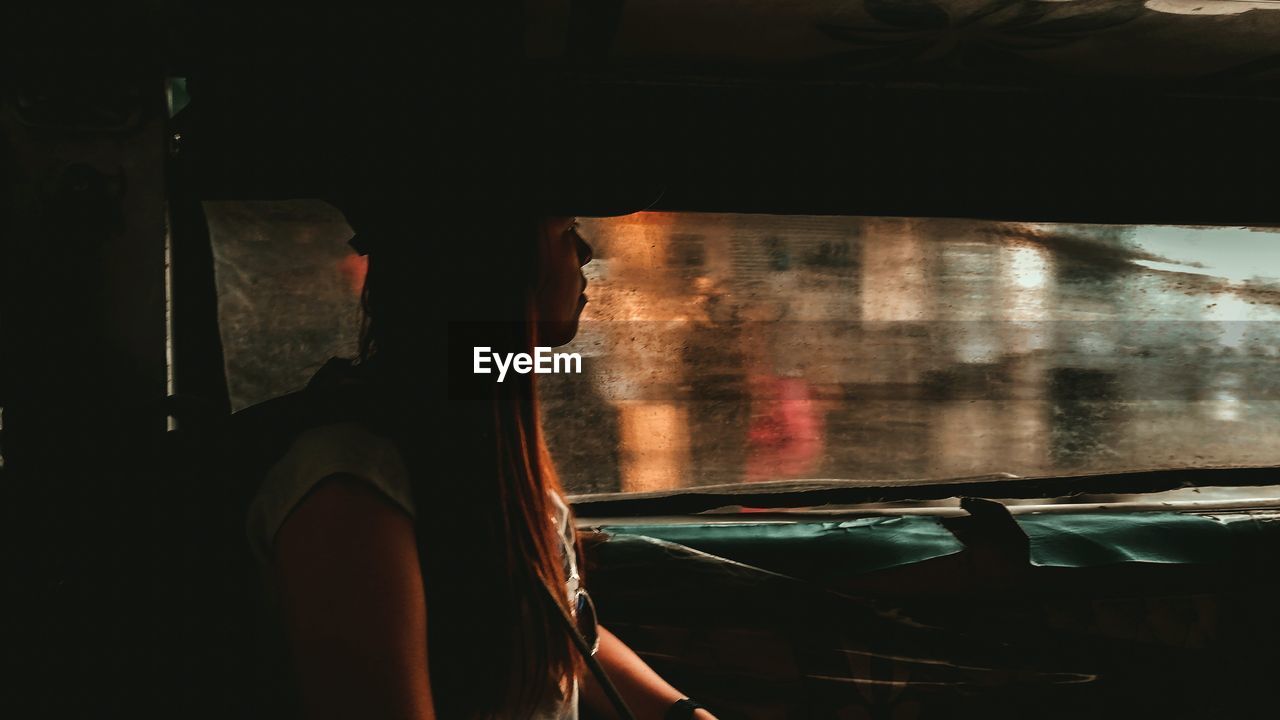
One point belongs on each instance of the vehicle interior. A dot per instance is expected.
(938, 381)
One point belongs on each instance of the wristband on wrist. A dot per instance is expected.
(683, 709)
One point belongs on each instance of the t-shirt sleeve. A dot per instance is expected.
(339, 449)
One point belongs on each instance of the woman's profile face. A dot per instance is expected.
(561, 289)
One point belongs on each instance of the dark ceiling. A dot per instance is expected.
(1123, 111)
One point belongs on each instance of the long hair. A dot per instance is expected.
(485, 521)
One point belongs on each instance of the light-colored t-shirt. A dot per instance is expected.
(350, 449)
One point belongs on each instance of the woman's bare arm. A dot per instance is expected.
(347, 563)
(646, 693)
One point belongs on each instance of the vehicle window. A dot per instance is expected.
(288, 293)
(721, 349)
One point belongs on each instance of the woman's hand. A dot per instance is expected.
(646, 693)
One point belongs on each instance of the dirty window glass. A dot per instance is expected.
(288, 293)
(723, 349)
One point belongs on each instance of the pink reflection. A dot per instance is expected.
(353, 268)
(785, 437)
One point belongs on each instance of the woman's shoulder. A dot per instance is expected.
(349, 449)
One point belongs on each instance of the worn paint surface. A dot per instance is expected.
(1113, 615)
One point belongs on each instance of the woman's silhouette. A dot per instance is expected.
(416, 546)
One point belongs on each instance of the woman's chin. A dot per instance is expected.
(555, 334)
